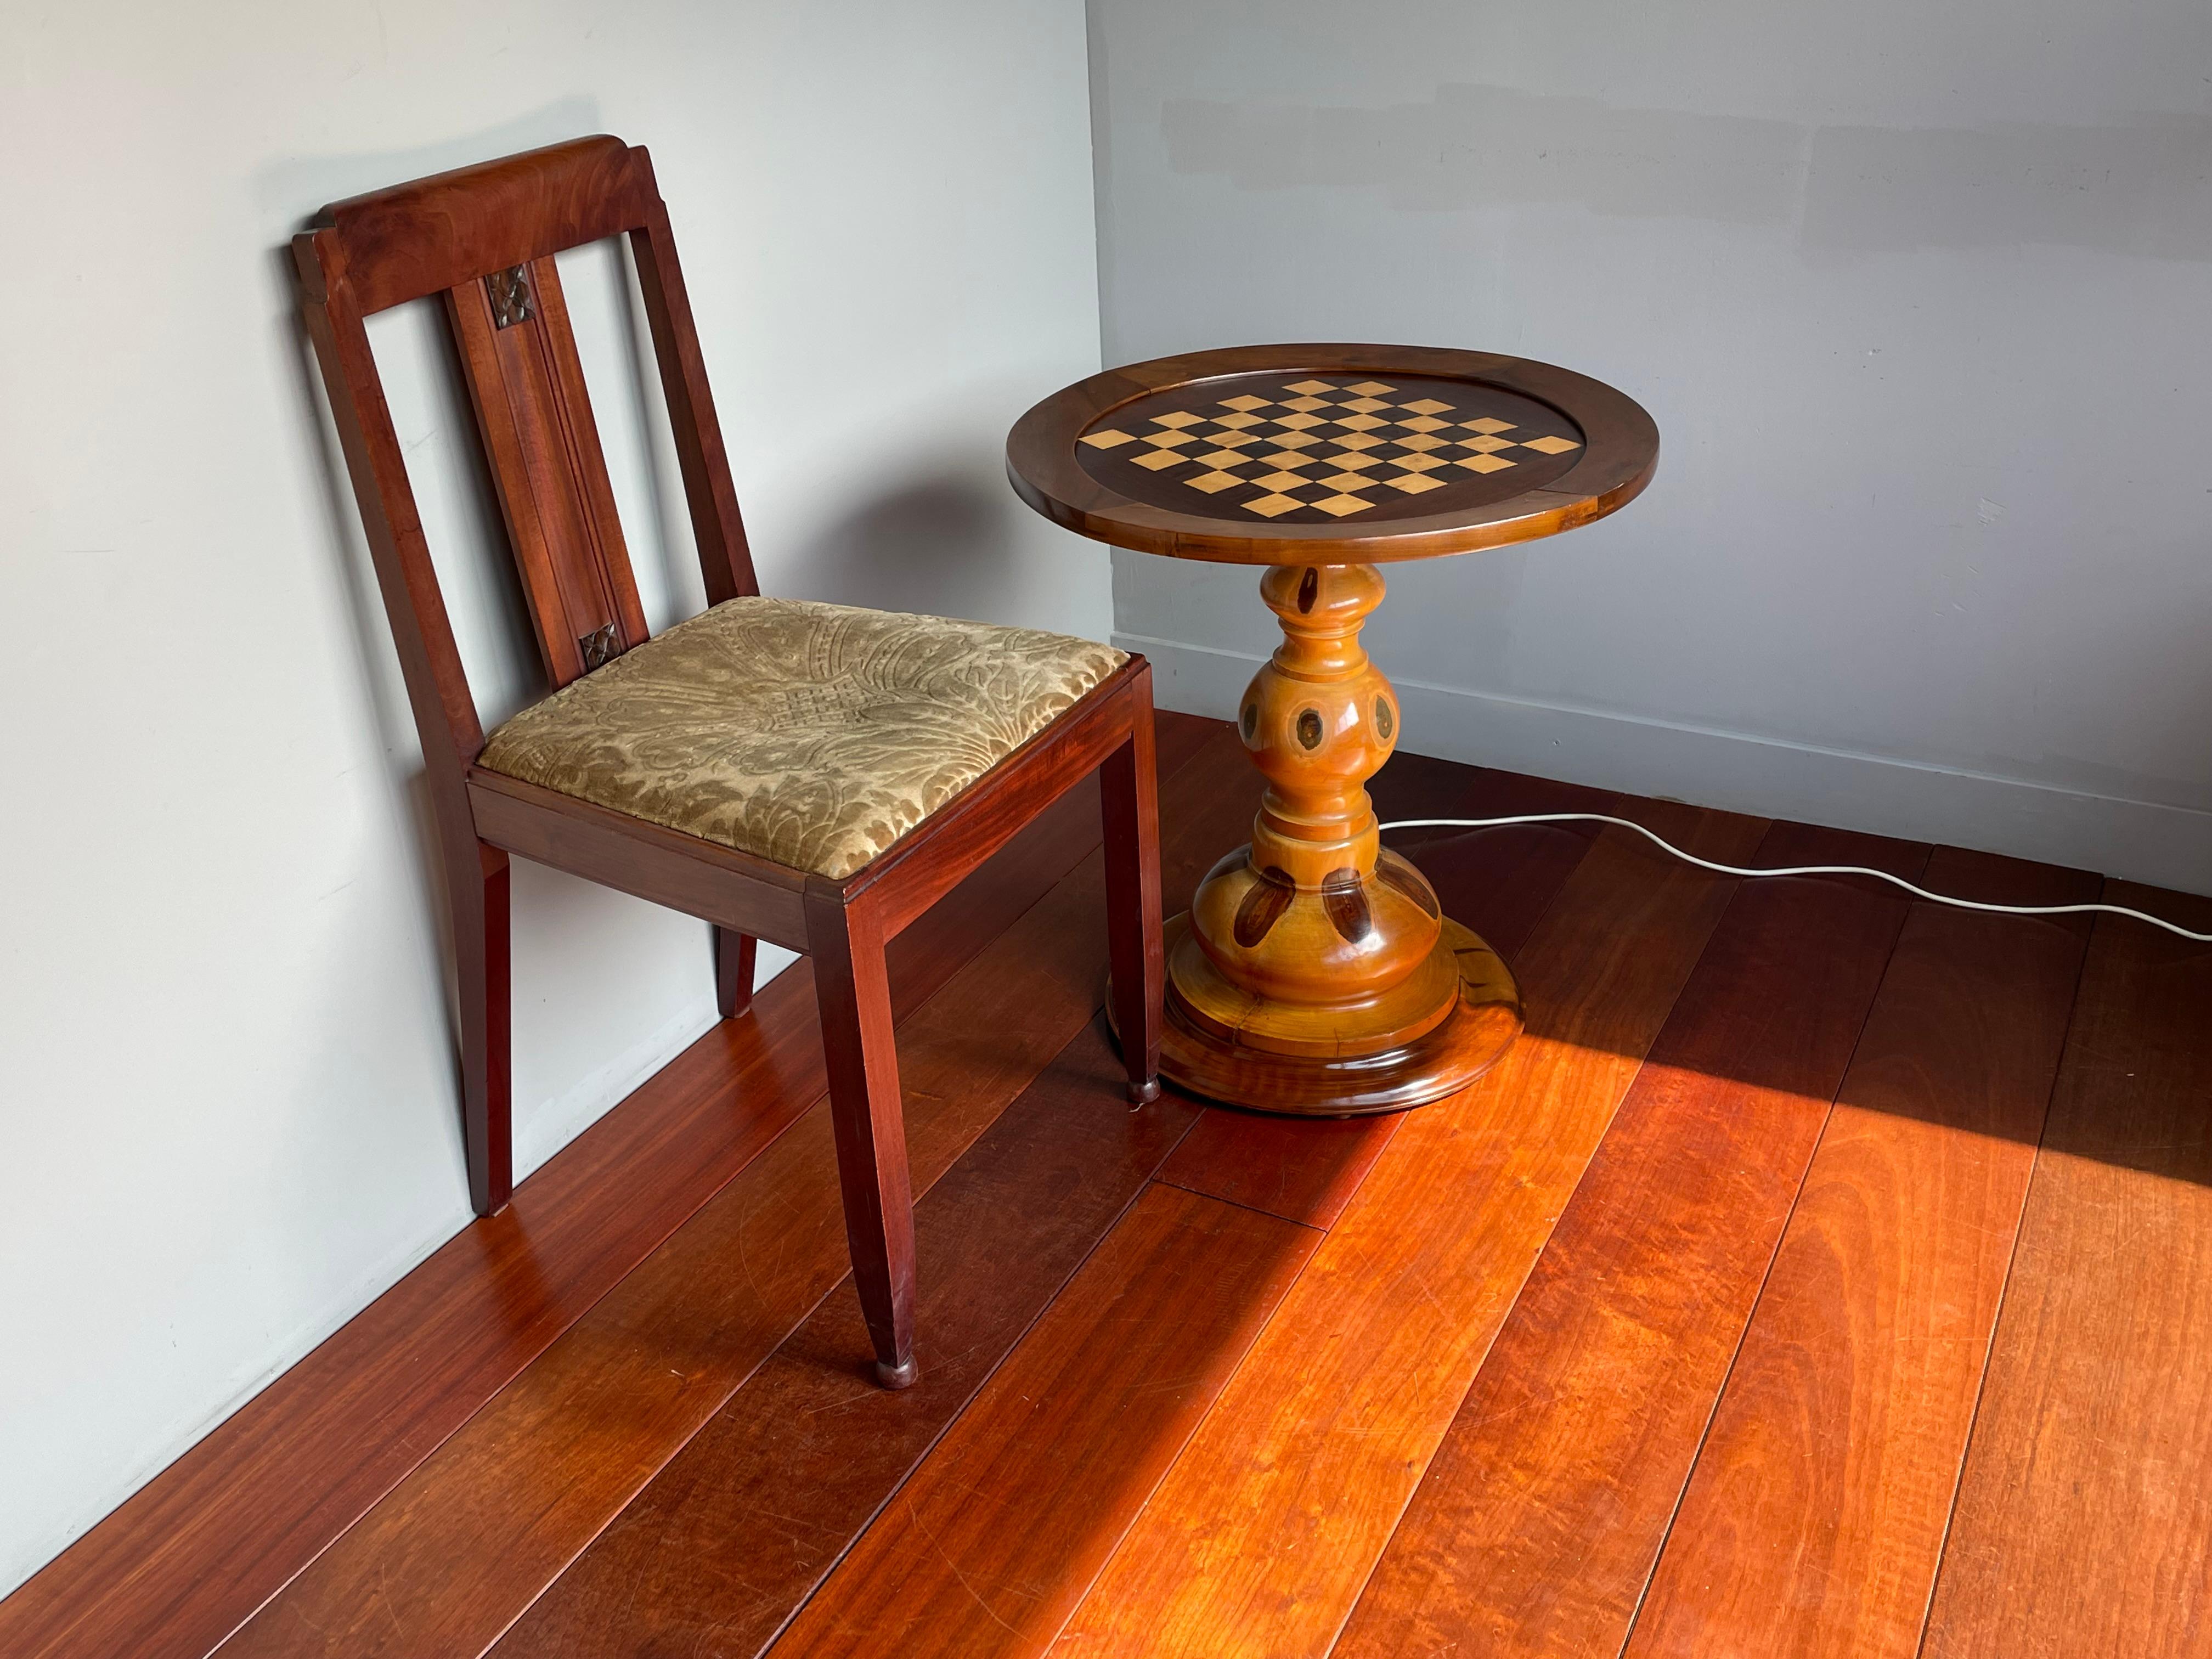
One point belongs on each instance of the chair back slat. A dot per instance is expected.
(484, 237)
(519, 357)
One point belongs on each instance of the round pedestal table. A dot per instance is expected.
(1316, 973)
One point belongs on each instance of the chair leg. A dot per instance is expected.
(733, 971)
(853, 991)
(481, 940)
(1131, 796)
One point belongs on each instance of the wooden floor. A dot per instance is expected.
(1822, 1274)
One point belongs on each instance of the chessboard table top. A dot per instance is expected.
(1274, 454)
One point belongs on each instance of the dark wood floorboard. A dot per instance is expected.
(1196, 818)
(730, 1539)
(1203, 1382)
(1537, 1523)
(985, 1550)
(2084, 1521)
(179, 1565)
(1812, 1523)
(448, 1559)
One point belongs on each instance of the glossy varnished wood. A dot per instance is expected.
(810, 1523)
(215, 1534)
(1815, 1516)
(518, 358)
(456, 1549)
(790, 1471)
(1535, 1527)
(2079, 1526)
(1622, 448)
(2084, 1519)
(1269, 1522)
(1314, 975)
(990, 1544)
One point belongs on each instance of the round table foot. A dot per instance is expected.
(897, 1376)
(1197, 1056)
(1144, 1094)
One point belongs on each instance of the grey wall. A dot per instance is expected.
(228, 1108)
(1919, 295)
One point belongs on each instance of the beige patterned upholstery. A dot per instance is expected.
(815, 735)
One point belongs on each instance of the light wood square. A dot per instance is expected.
(1362, 422)
(1425, 423)
(1344, 481)
(1356, 440)
(1366, 405)
(1414, 482)
(1309, 388)
(1354, 460)
(1489, 424)
(1153, 460)
(1221, 458)
(1299, 422)
(1233, 422)
(1279, 481)
(1180, 417)
(1486, 446)
(1550, 446)
(1341, 505)
(1421, 441)
(1269, 507)
(1295, 440)
(1370, 388)
(1422, 462)
(1485, 463)
(1211, 483)
(1427, 406)
(1245, 405)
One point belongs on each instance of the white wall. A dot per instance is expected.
(1918, 296)
(228, 1112)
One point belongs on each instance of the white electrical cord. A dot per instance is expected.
(1798, 870)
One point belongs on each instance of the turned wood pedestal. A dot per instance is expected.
(1316, 973)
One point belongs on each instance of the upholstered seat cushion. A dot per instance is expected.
(815, 735)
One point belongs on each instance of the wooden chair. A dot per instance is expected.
(484, 237)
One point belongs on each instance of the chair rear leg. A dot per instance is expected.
(1131, 797)
(487, 1010)
(853, 992)
(733, 971)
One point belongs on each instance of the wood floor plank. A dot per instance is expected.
(1303, 1169)
(717, 1553)
(179, 1565)
(983, 1551)
(1498, 883)
(1814, 1520)
(2084, 1519)
(1262, 1533)
(455, 1552)
(1536, 1524)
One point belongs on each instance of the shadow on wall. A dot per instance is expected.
(940, 544)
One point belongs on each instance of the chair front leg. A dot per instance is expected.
(853, 991)
(733, 971)
(481, 940)
(1130, 793)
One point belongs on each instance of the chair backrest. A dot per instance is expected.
(485, 237)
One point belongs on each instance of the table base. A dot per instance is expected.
(1199, 1056)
